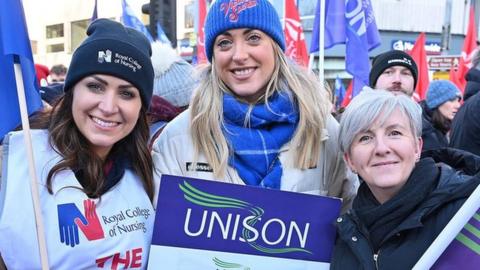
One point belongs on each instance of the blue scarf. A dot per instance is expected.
(256, 147)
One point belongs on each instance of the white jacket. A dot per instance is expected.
(173, 153)
(119, 225)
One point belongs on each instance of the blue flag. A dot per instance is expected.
(352, 23)
(339, 92)
(161, 36)
(335, 25)
(15, 48)
(94, 14)
(129, 19)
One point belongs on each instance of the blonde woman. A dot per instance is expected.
(256, 118)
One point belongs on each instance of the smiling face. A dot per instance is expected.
(244, 60)
(450, 108)
(396, 79)
(105, 110)
(385, 155)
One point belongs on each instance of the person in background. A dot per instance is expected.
(465, 131)
(92, 162)
(54, 90)
(58, 73)
(255, 119)
(403, 202)
(395, 71)
(438, 110)
(173, 85)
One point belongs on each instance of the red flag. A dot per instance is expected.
(469, 48)
(348, 95)
(419, 55)
(294, 37)
(202, 12)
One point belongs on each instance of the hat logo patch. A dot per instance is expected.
(104, 56)
(403, 61)
(233, 8)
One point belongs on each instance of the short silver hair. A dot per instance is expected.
(371, 105)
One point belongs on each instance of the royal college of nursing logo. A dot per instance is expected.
(70, 219)
(105, 56)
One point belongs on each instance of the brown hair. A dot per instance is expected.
(66, 139)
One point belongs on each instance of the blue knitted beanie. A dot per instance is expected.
(115, 50)
(441, 91)
(224, 15)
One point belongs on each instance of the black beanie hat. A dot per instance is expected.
(115, 50)
(390, 59)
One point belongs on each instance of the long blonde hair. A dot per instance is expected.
(310, 98)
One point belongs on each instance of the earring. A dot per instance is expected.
(354, 171)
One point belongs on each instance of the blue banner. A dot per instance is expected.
(339, 92)
(335, 25)
(219, 224)
(95, 13)
(129, 19)
(15, 48)
(352, 23)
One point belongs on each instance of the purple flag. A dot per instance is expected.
(335, 25)
(464, 251)
(362, 36)
(352, 23)
(95, 13)
(15, 48)
(339, 92)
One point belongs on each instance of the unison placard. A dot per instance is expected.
(212, 225)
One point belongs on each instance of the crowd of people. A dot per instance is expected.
(128, 111)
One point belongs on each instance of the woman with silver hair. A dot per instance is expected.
(403, 202)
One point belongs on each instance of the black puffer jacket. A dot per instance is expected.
(440, 192)
(473, 82)
(465, 132)
(432, 138)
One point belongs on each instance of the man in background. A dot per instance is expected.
(58, 73)
(395, 71)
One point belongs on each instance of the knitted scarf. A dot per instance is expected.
(255, 139)
(381, 219)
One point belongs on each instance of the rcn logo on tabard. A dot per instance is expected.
(105, 56)
(70, 219)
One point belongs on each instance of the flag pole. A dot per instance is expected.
(448, 234)
(321, 44)
(31, 167)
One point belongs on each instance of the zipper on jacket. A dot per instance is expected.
(375, 258)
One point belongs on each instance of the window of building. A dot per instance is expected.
(52, 48)
(55, 31)
(190, 14)
(78, 33)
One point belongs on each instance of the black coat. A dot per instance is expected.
(465, 131)
(402, 246)
(432, 138)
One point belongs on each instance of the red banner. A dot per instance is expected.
(419, 55)
(202, 12)
(469, 48)
(294, 37)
